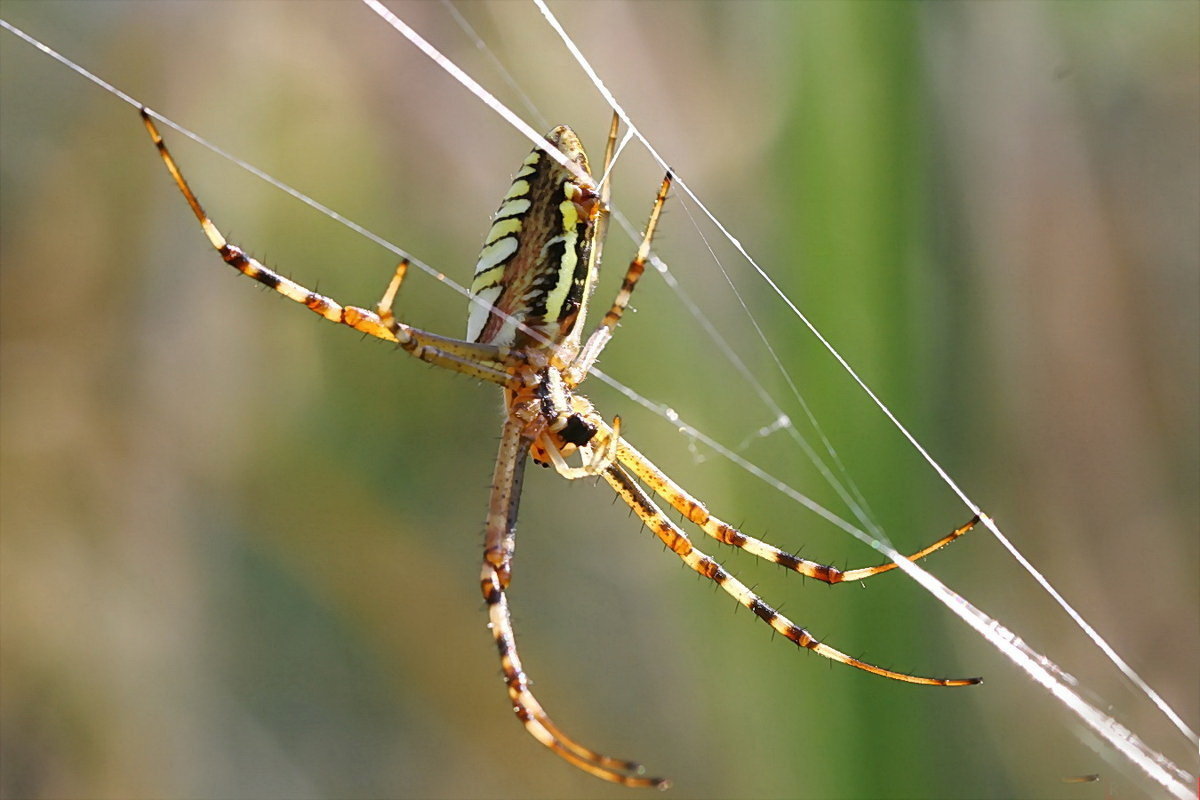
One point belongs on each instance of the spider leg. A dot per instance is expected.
(599, 338)
(696, 513)
(629, 491)
(478, 360)
(638, 265)
(515, 441)
(384, 308)
(605, 195)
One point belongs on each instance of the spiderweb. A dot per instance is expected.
(740, 445)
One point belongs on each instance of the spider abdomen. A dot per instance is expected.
(533, 270)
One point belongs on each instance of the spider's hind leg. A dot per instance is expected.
(486, 362)
(600, 337)
(385, 308)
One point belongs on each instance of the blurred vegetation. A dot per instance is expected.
(240, 546)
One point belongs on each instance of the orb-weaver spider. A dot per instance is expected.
(529, 296)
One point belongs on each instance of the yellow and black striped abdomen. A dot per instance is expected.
(533, 269)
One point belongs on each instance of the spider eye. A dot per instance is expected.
(577, 431)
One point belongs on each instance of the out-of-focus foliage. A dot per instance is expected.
(239, 545)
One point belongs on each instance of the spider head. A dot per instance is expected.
(577, 431)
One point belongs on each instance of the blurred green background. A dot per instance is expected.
(240, 546)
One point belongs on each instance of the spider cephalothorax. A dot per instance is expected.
(529, 299)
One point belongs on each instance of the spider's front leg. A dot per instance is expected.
(678, 542)
(522, 427)
(694, 511)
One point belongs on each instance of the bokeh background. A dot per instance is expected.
(240, 546)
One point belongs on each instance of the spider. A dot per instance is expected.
(529, 297)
